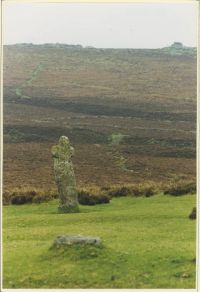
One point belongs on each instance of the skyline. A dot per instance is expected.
(92, 47)
(135, 25)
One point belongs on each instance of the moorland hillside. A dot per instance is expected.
(130, 114)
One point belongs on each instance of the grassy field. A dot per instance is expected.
(147, 243)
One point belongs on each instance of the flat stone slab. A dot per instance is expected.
(64, 240)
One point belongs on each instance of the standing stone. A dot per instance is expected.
(64, 176)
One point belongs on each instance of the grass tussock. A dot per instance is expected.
(86, 196)
(20, 196)
(76, 252)
(93, 195)
(193, 214)
(180, 188)
(147, 189)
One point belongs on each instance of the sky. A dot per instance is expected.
(101, 25)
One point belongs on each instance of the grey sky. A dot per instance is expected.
(101, 25)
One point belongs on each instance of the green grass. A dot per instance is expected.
(147, 243)
(117, 138)
(33, 77)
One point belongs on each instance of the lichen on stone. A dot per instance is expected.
(64, 176)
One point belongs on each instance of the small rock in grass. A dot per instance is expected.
(193, 214)
(64, 240)
(182, 275)
(185, 275)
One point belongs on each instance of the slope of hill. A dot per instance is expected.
(145, 97)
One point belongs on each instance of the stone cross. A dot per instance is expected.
(64, 176)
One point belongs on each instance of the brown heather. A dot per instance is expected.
(130, 115)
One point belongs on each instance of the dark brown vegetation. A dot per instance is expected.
(193, 214)
(130, 114)
(181, 188)
(92, 195)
